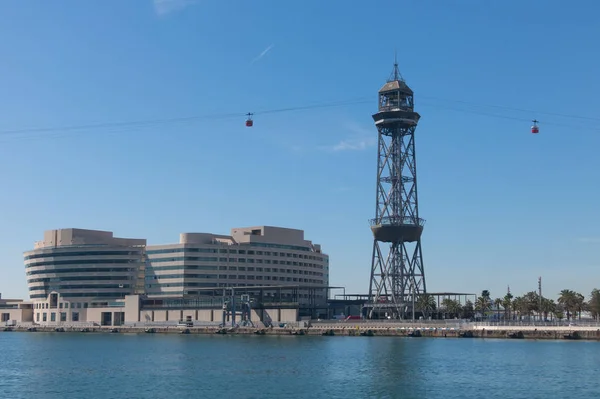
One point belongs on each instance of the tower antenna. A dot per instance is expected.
(395, 75)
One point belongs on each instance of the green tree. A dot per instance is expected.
(426, 304)
(482, 305)
(594, 304)
(507, 304)
(571, 302)
(468, 310)
(519, 305)
(497, 303)
(451, 307)
(548, 308)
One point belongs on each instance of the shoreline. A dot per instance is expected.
(496, 332)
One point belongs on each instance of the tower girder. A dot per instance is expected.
(397, 271)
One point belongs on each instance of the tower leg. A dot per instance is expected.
(397, 279)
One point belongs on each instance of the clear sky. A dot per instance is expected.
(503, 206)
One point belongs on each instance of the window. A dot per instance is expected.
(5, 316)
(75, 316)
(44, 317)
(63, 316)
(37, 317)
(53, 316)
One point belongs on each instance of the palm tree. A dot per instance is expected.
(568, 300)
(467, 310)
(519, 306)
(548, 307)
(426, 304)
(507, 304)
(482, 305)
(594, 304)
(531, 303)
(449, 307)
(498, 302)
(580, 304)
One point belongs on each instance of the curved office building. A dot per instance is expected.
(73, 270)
(251, 256)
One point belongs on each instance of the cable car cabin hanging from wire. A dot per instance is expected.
(249, 121)
(535, 129)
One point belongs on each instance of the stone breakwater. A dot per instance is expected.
(369, 330)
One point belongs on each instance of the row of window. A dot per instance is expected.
(82, 262)
(45, 305)
(63, 316)
(275, 294)
(59, 288)
(102, 270)
(233, 260)
(183, 267)
(249, 277)
(56, 254)
(199, 293)
(231, 251)
(151, 271)
(83, 295)
(159, 286)
(182, 276)
(72, 278)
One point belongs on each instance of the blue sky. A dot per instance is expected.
(503, 206)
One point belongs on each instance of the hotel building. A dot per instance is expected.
(72, 271)
(251, 256)
(77, 275)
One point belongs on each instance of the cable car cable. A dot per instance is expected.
(529, 111)
(362, 100)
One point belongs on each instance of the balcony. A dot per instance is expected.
(397, 228)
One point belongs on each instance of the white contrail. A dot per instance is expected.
(264, 52)
(163, 7)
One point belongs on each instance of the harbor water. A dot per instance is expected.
(145, 366)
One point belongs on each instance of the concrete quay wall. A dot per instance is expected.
(370, 329)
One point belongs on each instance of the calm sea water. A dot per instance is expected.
(145, 366)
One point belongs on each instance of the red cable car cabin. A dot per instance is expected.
(535, 129)
(249, 121)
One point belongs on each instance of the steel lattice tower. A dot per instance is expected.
(397, 273)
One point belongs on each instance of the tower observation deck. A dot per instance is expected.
(397, 273)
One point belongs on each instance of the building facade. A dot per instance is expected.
(15, 311)
(83, 276)
(72, 271)
(251, 256)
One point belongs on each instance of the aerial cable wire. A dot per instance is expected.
(362, 100)
(529, 111)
